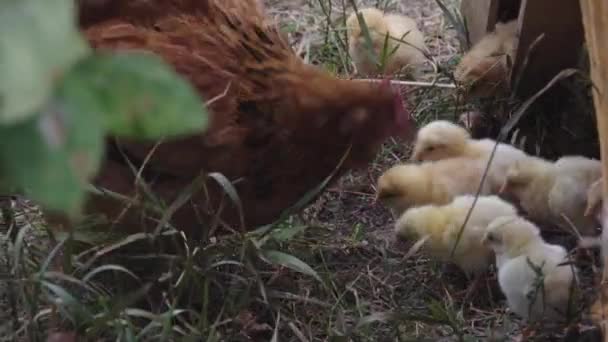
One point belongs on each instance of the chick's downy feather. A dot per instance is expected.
(443, 223)
(435, 182)
(442, 139)
(555, 192)
(529, 270)
(277, 125)
(485, 69)
(404, 47)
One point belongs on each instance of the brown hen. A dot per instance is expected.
(279, 127)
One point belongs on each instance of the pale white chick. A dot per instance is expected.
(440, 225)
(554, 192)
(405, 46)
(438, 182)
(529, 270)
(485, 69)
(442, 139)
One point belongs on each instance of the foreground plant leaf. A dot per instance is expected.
(142, 97)
(38, 42)
(52, 155)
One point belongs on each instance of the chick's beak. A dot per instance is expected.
(589, 210)
(380, 195)
(376, 197)
(503, 188)
(484, 240)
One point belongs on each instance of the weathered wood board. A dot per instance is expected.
(595, 18)
(480, 17)
(559, 20)
(561, 23)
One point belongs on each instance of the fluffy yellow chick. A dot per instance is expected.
(442, 225)
(437, 182)
(531, 294)
(408, 53)
(442, 139)
(549, 191)
(485, 69)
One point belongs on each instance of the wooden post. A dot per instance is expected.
(560, 22)
(595, 19)
(480, 16)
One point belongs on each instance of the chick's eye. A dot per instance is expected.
(430, 148)
(491, 238)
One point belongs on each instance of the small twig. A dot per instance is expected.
(219, 96)
(358, 193)
(411, 83)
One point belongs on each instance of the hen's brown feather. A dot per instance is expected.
(277, 124)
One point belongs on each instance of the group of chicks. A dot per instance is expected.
(395, 43)
(462, 198)
(435, 199)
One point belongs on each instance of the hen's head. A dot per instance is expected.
(343, 112)
(440, 139)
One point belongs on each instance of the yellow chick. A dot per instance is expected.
(532, 292)
(442, 224)
(549, 191)
(594, 199)
(442, 139)
(486, 68)
(437, 182)
(407, 51)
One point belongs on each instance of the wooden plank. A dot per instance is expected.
(595, 17)
(508, 10)
(480, 17)
(562, 25)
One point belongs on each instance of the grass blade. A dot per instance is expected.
(289, 261)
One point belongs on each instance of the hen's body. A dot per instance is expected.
(277, 125)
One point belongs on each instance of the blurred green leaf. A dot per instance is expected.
(143, 97)
(38, 42)
(289, 261)
(51, 156)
